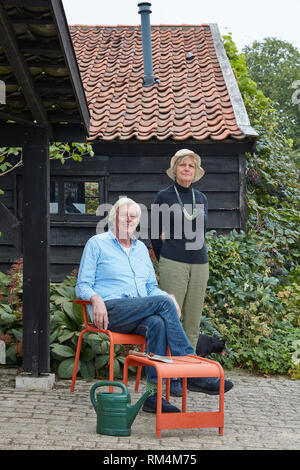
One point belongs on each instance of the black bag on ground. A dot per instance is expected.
(209, 344)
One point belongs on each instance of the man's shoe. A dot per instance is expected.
(208, 385)
(166, 407)
(176, 388)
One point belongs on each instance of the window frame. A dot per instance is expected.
(61, 180)
(63, 177)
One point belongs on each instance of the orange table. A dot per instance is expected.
(182, 366)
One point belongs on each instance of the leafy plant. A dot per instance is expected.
(256, 303)
(274, 65)
(11, 157)
(11, 312)
(66, 322)
(248, 306)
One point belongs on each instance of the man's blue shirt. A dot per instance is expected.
(107, 270)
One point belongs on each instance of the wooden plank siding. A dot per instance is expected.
(137, 171)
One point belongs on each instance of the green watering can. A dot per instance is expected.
(115, 414)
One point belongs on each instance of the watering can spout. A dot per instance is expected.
(134, 409)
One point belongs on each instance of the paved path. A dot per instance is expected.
(260, 413)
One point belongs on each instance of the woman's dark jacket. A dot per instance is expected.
(172, 248)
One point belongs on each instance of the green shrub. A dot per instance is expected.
(252, 310)
(11, 313)
(66, 322)
(257, 315)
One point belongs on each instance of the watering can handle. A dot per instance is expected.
(103, 384)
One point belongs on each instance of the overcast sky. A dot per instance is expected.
(246, 20)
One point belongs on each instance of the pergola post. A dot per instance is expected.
(36, 230)
(35, 109)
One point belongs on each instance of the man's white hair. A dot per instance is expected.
(122, 202)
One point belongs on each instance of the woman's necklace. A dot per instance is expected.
(185, 212)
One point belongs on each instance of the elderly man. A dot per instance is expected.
(117, 276)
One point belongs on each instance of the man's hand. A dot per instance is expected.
(99, 312)
(176, 304)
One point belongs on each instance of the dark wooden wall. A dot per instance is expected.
(136, 170)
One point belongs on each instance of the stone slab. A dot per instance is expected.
(2, 352)
(42, 383)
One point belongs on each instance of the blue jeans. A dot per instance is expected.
(156, 319)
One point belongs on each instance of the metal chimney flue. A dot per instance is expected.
(144, 11)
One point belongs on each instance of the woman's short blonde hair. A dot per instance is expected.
(182, 159)
(122, 202)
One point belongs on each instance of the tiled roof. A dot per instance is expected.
(191, 100)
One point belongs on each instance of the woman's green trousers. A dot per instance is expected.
(187, 282)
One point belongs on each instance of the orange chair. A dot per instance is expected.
(115, 338)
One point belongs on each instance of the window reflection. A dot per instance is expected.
(74, 197)
(53, 198)
(91, 191)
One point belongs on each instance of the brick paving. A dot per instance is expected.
(261, 413)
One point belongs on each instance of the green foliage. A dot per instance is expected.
(66, 323)
(272, 178)
(253, 292)
(256, 315)
(274, 65)
(6, 166)
(62, 151)
(11, 312)
(259, 107)
(11, 157)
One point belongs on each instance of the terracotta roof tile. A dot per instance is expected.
(191, 100)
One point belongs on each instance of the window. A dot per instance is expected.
(53, 198)
(75, 197)
(72, 198)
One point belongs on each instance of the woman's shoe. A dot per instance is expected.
(176, 388)
(151, 403)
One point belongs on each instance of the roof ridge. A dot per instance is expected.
(136, 25)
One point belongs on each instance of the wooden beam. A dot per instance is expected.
(28, 20)
(47, 85)
(69, 133)
(36, 256)
(169, 148)
(10, 227)
(29, 3)
(51, 48)
(2, 92)
(243, 192)
(31, 63)
(15, 135)
(70, 57)
(16, 118)
(18, 63)
(58, 88)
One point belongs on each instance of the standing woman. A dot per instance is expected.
(183, 269)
